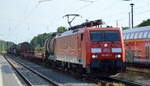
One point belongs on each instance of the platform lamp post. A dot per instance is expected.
(132, 15)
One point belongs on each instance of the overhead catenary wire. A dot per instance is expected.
(31, 11)
(125, 18)
(26, 17)
(27, 14)
(108, 7)
(41, 1)
(136, 16)
(83, 7)
(26, 6)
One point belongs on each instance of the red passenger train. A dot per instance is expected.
(137, 45)
(88, 48)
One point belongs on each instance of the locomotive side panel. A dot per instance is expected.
(67, 46)
(68, 49)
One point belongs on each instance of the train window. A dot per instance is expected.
(148, 34)
(132, 35)
(145, 34)
(124, 35)
(128, 35)
(82, 36)
(136, 35)
(112, 36)
(99, 36)
(140, 35)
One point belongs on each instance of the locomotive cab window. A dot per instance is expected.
(106, 36)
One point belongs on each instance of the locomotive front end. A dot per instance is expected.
(105, 50)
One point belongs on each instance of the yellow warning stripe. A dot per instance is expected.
(133, 40)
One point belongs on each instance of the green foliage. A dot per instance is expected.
(61, 29)
(125, 28)
(5, 45)
(38, 41)
(144, 23)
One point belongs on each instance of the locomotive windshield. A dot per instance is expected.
(103, 35)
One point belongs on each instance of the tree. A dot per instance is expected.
(4, 45)
(144, 23)
(125, 28)
(61, 29)
(38, 41)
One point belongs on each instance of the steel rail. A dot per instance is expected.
(53, 83)
(21, 75)
(128, 83)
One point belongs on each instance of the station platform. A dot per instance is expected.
(7, 75)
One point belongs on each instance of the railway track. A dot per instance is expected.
(126, 82)
(106, 81)
(140, 70)
(29, 76)
(103, 81)
(112, 81)
(98, 80)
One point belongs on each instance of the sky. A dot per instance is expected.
(21, 20)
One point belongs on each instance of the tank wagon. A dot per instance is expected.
(137, 45)
(88, 47)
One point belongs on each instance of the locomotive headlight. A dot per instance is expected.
(94, 56)
(105, 45)
(118, 56)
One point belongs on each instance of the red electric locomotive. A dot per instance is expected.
(93, 49)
